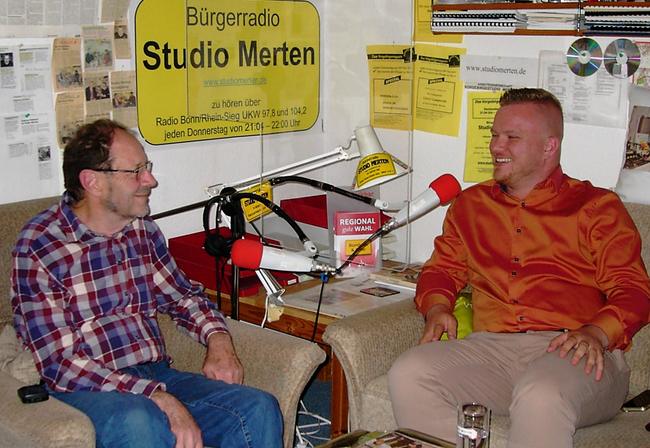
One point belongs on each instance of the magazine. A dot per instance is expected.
(406, 277)
(400, 438)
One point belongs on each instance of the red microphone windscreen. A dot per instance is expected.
(247, 254)
(446, 187)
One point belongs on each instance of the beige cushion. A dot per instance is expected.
(14, 360)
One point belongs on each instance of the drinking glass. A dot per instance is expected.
(473, 426)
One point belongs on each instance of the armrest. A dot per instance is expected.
(273, 361)
(367, 344)
(50, 423)
(186, 353)
(277, 363)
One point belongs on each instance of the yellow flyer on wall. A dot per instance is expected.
(215, 69)
(255, 209)
(390, 69)
(422, 25)
(438, 89)
(481, 108)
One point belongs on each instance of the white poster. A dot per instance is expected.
(28, 151)
(599, 99)
(498, 72)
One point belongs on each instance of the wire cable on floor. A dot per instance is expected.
(308, 434)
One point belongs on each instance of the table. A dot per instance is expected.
(300, 323)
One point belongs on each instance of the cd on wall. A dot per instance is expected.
(584, 56)
(622, 58)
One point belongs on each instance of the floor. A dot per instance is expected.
(314, 414)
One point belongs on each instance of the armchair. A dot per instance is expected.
(275, 362)
(367, 344)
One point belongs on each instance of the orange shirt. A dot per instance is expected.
(566, 256)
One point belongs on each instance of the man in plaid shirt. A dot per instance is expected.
(89, 277)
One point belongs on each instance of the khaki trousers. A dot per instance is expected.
(546, 396)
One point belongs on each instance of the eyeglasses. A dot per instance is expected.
(146, 167)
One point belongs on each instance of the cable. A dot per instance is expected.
(303, 441)
(219, 279)
(379, 232)
(262, 237)
(324, 279)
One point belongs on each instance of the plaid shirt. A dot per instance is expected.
(86, 304)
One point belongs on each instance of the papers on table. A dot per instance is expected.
(346, 297)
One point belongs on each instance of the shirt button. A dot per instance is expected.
(523, 204)
(518, 229)
(516, 259)
(514, 273)
(520, 318)
(515, 301)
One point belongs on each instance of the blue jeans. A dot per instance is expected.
(229, 415)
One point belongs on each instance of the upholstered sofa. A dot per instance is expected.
(366, 344)
(275, 362)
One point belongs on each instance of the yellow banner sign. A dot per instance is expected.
(213, 69)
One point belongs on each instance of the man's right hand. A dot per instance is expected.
(437, 321)
(181, 422)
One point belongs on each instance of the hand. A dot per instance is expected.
(438, 320)
(221, 361)
(589, 341)
(181, 422)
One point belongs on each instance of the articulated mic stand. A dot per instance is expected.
(238, 229)
(229, 201)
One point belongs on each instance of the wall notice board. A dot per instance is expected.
(47, 86)
(29, 155)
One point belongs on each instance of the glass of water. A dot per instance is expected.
(473, 426)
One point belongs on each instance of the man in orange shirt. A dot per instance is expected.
(558, 291)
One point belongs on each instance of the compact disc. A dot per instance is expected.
(584, 56)
(622, 58)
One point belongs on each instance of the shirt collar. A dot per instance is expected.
(76, 230)
(71, 225)
(552, 183)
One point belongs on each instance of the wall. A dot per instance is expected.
(353, 25)
(347, 27)
(584, 147)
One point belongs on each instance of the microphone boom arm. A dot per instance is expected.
(377, 203)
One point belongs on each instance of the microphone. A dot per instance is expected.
(441, 191)
(251, 254)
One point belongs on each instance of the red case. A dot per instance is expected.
(198, 265)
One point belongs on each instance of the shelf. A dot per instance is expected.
(519, 6)
(511, 6)
(526, 5)
(623, 4)
(518, 33)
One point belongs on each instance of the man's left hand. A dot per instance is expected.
(588, 341)
(221, 361)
